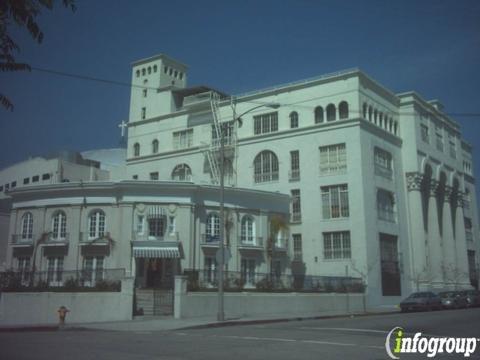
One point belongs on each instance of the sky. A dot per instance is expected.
(431, 47)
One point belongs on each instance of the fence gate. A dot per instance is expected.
(162, 301)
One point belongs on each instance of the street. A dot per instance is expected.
(341, 338)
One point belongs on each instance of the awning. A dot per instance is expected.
(156, 252)
(155, 212)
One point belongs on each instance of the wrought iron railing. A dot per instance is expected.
(251, 241)
(205, 280)
(22, 239)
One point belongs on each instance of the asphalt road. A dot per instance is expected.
(340, 338)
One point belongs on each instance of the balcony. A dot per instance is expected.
(57, 239)
(294, 175)
(209, 240)
(21, 240)
(170, 237)
(280, 245)
(251, 243)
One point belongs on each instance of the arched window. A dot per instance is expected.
(138, 73)
(212, 228)
(182, 172)
(375, 117)
(247, 229)
(154, 68)
(293, 120)
(331, 113)
(365, 111)
(96, 224)
(318, 115)
(136, 149)
(265, 167)
(27, 226)
(370, 112)
(386, 205)
(59, 226)
(143, 71)
(155, 146)
(343, 110)
(149, 70)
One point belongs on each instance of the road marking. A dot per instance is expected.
(327, 343)
(345, 329)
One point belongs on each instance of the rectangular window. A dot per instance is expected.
(468, 229)
(156, 227)
(210, 269)
(140, 224)
(439, 136)
(144, 91)
(265, 123)
(386, 206)
(154, 176)
(93, 267)
(335, 201)
(227, 129)
(183, 139)
(13, 184)
(383, 163)
(171, 225)
(424, 133)
(333, 159)
(294, 166)
(1, 188)
(55, 271)
(26, 181)
(144, 113)
(7, 186)
(248, 267)
(35, 178)
(135, 177)
(452, 147)
(46, 177)
(336, 245)
(297, 247)
(296, 206)
(23, 267)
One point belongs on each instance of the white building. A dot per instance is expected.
(381, 183)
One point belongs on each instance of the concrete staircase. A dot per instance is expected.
(145, 301)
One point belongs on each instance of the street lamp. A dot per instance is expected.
(221, 312)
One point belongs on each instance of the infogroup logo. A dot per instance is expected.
(397, 343)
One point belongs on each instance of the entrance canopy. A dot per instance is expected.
(156, 249)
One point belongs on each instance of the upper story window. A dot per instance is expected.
(26, 181)
(452, 146)
(294, 174)
(386, 205)
(467, 167)
(138, 73)
(136, 149)
(145, 92)
(227, 129)
(183, 139)
(247, 229)
(156, 226)
(96, 225)
(335, 201)
(343, 110)
(265, 167)
(331, 112)
(155, 146)
(383, 163)
(154, 68)
(265, 123)
(27, 226)
(336, 245)
(59, 226)
(297, 247)
(182, 172)
(296, 206)
(154, 175)
(318, 115)
(439, 136)
(333, 159)
(144, 113)
(425, 133)
(293, 120)
(35, 178)
(212, 227)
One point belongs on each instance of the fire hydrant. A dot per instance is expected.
(62, 314)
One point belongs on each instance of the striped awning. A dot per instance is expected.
(171, 252)
(155, 212)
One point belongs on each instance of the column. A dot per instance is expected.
(417, 232)
(448, 243)
(435, 255)
(462, 271)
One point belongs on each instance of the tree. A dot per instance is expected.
(24, 14)
(278, 225)
(364, 273)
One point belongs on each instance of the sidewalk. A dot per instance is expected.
(166, 323)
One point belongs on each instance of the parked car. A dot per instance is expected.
(453, 300)
(425, 300)
(472, 296)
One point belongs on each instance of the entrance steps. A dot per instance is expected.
(154, 302)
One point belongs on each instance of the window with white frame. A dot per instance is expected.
(93, 270)
(247, 230)
(183, 139)
(140, 224)
(335, 201)
(136, 149)
(23, 267)
(247, 271)
(383, 163)
(27, 226)
(265, 167)
(297, 247)
(55, 270)
(227, 129)
(265, 123)
(296, 206)
(182, 172)
(294, 165)
(212, 228)
(96, 225)
(333, 159)
(156, 226)
(210, 269)
(155, 146)
(336, 245)
(59, 226)
(318, 113)
(425, 133)
(386, 205)
(171, 225)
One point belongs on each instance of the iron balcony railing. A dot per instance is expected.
(58, 237)
(22, 239)
(251, 242)
(173, 236)
(266, 177)
(249, 280)
(210, 239)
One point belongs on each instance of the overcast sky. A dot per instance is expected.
(432, 47)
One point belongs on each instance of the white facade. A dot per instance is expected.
(349, 149)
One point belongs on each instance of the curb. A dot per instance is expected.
(36, 328)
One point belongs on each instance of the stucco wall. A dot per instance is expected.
(41, 307)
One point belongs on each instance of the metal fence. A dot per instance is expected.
(205, 280)
(71, 280)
